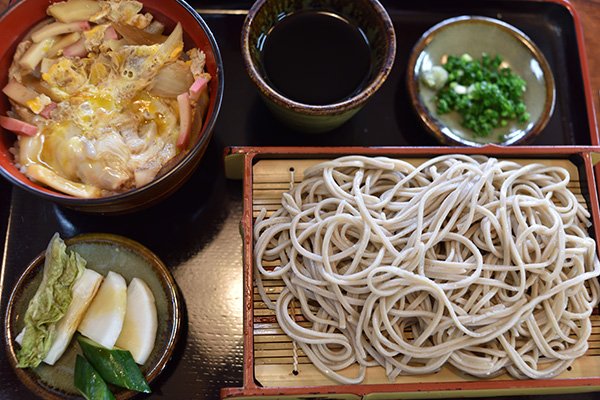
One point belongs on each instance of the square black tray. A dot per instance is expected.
(195, 231)
(388, 118)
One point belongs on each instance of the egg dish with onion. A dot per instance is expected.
(103, 98)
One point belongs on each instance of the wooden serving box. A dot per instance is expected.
(275, 369)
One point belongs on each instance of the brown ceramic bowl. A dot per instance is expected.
(103, 253)
(22, 16)
(368, 16)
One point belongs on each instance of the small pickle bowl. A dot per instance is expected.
(473, 37)
(22, 16)
(103, 253)
(369, 16)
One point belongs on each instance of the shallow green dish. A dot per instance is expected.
(103, 253)
(476, 35)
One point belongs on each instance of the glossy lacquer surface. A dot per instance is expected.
(196, 231)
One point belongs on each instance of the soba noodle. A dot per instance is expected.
(480, 263)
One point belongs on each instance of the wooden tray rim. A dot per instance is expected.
(583, 61)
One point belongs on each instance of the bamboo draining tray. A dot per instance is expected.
(269, 353)
(273, 349)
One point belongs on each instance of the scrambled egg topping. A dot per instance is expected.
(102, 128)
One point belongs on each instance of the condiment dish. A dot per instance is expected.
(103, 253)
(475, 36)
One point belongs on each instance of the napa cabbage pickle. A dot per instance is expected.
(50, 302)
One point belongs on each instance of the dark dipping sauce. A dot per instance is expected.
(316, 58)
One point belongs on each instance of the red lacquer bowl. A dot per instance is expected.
(23, 15)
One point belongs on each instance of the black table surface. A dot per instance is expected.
(196, 231)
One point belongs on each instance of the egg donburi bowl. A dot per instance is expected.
(108, 99)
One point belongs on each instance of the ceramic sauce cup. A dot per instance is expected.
(317, 63)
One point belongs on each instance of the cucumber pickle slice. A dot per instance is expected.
(89, 382)
(115, 366)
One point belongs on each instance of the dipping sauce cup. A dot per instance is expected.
(316, 63)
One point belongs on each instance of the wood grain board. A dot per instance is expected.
(274, 350)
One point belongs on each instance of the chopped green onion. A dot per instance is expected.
(486, 95)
